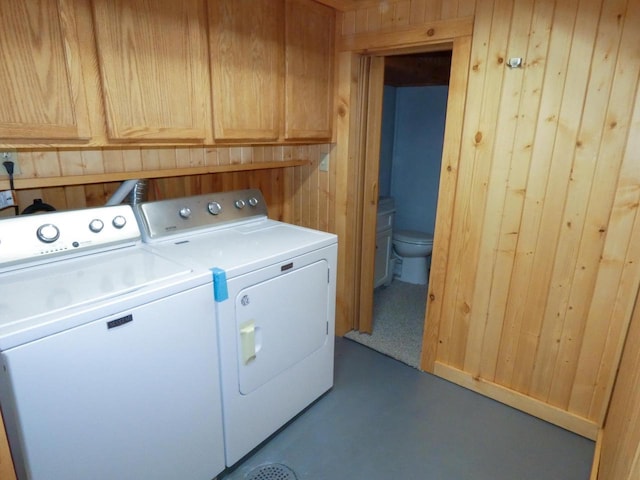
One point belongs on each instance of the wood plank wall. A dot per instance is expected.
(544, 246)
(7, 471)
(387, 16)
(620, 458)
(301, 195)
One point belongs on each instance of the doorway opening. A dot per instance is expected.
(409, 136)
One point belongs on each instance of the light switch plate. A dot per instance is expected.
(324, 163)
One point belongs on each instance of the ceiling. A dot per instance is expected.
(344, 5)
(418, 69)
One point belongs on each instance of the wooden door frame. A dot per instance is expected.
(356, 261)
(368, 202)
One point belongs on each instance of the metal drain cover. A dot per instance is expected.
(271, 471)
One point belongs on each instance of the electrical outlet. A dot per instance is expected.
(11, 156)
(324, 163)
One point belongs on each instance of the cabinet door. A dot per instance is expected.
(153, 65)
(309, 69)
(382, 275)
(42, 91)
(247, 68)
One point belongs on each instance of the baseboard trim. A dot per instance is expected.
(557, 416)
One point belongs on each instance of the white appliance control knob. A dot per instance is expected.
(119, 221)
(96, 225)
(48, 233)
(240, 204)
(214, 208)
(185, 212)
(253, 201)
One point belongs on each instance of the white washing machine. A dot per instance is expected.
(274, 287)
(107, 364)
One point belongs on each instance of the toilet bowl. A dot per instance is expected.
(413, 248)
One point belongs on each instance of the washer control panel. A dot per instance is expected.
(27, 238)
(168, 217)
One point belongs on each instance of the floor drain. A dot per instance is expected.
(271, 471)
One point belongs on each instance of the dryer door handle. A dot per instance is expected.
(248, 341)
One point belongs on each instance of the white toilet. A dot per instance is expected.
(413, 248)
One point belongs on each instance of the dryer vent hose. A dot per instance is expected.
(138, 193)
(131, 190)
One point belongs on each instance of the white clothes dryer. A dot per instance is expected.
(274, 285)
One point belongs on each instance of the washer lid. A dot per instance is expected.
(39, 296)
(413, 236)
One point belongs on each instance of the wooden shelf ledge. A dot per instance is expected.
(42, 182)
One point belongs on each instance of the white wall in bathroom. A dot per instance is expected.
(414, 170)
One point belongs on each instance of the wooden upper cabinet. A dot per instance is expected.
(43, 95)
(309, 37)
(153, 65)
(167, 71)
(247, 68)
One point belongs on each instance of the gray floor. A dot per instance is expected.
(398, 321)
(386, 420)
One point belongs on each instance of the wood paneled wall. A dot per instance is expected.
(544, 267)
(620, 459)
(398, 15)
(301, 194)
(7, 471)
(542, 257)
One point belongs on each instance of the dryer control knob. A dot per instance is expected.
(119, 221)
(96, 225)
(253, 201)
(214, 208)
(240, 204)
(48, 233)
(185, 212)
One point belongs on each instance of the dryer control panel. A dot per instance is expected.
(188, 215)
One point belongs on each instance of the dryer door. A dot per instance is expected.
(280, 321)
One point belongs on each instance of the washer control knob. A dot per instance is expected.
(240, 204)
(253, 201)
(48, 233)
(214, 208)
(96, 225)
(119, 221)
(185, 212)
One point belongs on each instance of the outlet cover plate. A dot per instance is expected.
(9, 155)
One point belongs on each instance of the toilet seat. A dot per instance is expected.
(413, 237)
